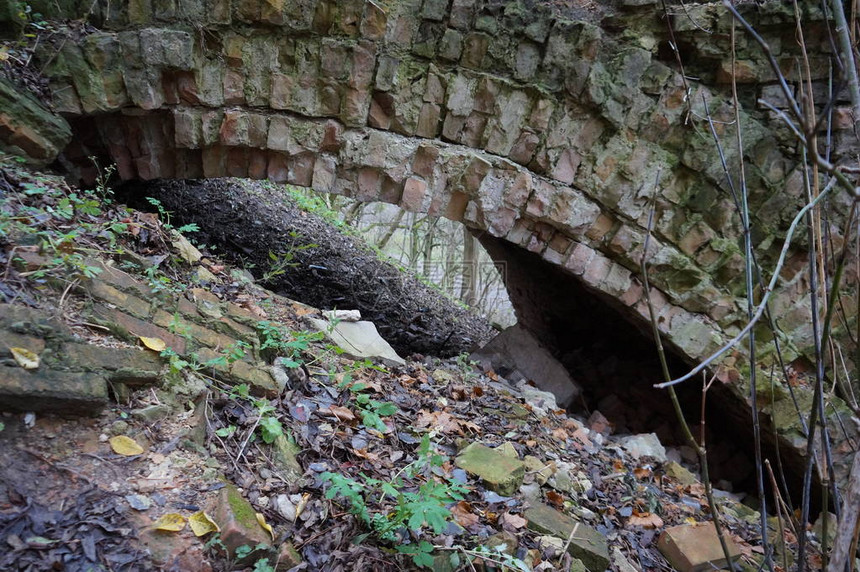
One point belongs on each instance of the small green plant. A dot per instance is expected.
(402, 506)
(64, 224)
(281, 261)
(269, 425)
(242, 552)
(276, 341)
(164, 215)
(371, 410)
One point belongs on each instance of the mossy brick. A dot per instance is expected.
(242, 315)
(238, 522)
(235, 329)
(28, 129)
(257, 377)
(120, 279)
(78, 356)
(45, 390)
(130, 328)
(499, 472)
(197, 333)
(586, 543)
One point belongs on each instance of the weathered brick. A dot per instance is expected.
(107, 293)
(130, 327)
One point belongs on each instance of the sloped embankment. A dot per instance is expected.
(327, 269)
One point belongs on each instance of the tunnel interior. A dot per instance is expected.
(616, 363)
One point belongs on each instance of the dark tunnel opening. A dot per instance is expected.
(616, 362)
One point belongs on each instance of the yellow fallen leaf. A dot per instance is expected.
(262, 520)
(4, 54)
(302, 504)
(171, 522)
(126, 446)
(25, 358)
(202, 524)
(155, 344)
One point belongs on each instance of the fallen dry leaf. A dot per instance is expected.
(25, 358)
(642, 473)
(514, 520)
(645, 519)
(555, 499)
(339, 412)
(125, 446)
(462, 513)
(262, 520)
(202, 524)
(170, 522)
(155, 344)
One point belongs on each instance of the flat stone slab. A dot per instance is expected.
(694, 548)
(359, 340)
(499, 472)
(586, 543)
(51, 390)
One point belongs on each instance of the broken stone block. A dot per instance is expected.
(694, 548)
(499, 472)
(679, 473)
(586, 543)
(359, 340)
(644, 445)
(28, 129)
(516, 349)
(239, 526)
(47, 390)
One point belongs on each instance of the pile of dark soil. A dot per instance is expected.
(321, 266)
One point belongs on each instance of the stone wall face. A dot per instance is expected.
(550, 133)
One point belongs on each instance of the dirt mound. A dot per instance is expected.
(259, 227)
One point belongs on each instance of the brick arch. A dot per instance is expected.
(545, 131)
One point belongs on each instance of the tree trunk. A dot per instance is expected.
(469, 286)
(392, 228)
(429, 237)
(354, 213)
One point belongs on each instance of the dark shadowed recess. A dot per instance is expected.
(615, 361)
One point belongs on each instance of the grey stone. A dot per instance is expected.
(585, 542)
(644, 445)
(359, 340)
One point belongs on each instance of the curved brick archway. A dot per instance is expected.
(546, 131)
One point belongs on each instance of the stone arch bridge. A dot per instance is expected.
(546, 130)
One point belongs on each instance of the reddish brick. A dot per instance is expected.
(694, 548)
(425, 160)
(301, 169)
(257, 165)
(413, 195)
(579, 259)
